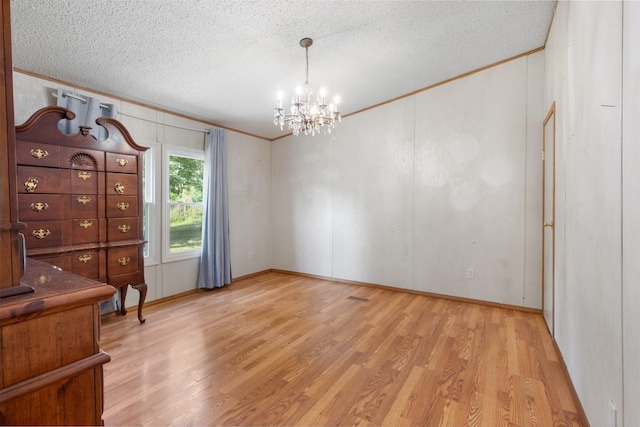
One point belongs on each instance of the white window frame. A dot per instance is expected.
(151, 196)
(168, 151)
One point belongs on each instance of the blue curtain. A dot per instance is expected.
(87, 110)
(215, 260)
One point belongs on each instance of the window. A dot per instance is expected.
(183, 195)
(147, 201)
(149, 207)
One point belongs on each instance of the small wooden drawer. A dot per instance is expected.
(119, 280)
(38, 207)
(39, 346)
(122, 260)
(36, 154)
(38, 180)
(76, 158)
(56, 261)
(81, 206)
(122, 184)
(81, 181)
(122, 206)
(85, 231)
(85, 264)
(41, 234)
(122, 163)
(123, 229)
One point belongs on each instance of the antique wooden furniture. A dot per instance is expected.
(50, 355)
(50, 360)
(82, 200)
(9, 225)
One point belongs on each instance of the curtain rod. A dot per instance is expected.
(79, 98)
(84, 101)
(164, 124)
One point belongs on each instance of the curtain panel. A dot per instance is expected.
(87, 110)
(215, 259)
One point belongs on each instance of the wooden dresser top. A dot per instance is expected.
(54, 291)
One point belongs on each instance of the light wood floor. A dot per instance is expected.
(280, 349)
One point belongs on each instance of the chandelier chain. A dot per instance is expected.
(306, 70)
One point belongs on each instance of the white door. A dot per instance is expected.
(548, 217)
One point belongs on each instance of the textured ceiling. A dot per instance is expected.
(225, 61)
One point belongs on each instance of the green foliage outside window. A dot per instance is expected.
(185, 203)
(185, 179)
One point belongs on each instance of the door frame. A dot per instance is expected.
(550, 119)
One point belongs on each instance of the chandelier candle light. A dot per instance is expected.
(308, 113)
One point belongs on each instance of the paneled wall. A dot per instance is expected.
(593, 73)
(249, 169)
(423, 192)
(631, 212)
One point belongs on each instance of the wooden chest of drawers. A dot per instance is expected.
(82, 200)
(51, 370)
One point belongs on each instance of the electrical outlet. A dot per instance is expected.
(249, 255)
(471, 273)
(613, 415)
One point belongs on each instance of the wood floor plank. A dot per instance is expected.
(395, 414)
(281, 349)
(331, 394)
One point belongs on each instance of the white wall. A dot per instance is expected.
(583, 75)
(413, 193)
(631, 212)
(249, 169)
(374, 199)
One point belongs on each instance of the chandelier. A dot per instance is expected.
(308, 113)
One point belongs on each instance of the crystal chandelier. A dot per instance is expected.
(308, 113)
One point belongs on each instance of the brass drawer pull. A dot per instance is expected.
(123, 206)
(122, 162)
(124, 260)
(84, 199)
(39, 153)
(86, 224)
(84, 258)
(40, 234)
(119, 188)
(124, 228)
(84, 175)
(30, 185)
(39, 206)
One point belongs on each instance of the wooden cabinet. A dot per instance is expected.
(50, 357)
(10, 265)
(81, 200)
